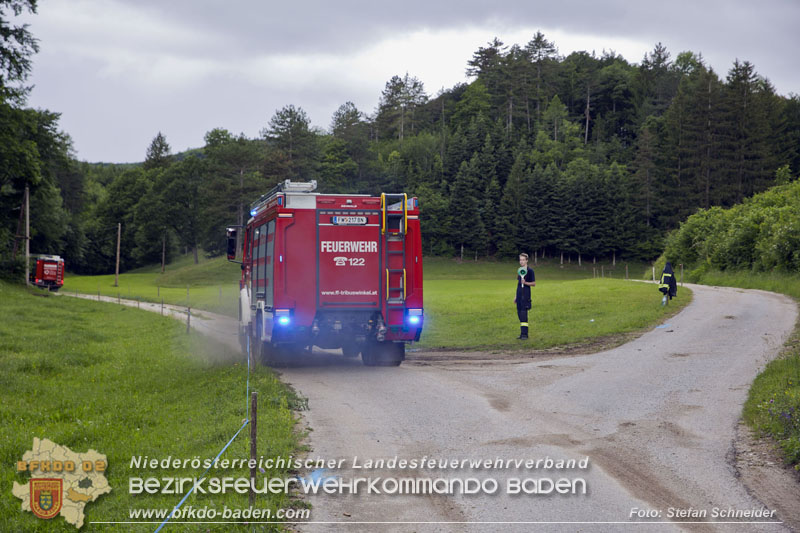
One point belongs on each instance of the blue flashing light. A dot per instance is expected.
(414, 319)
(283, 321)
(253, 212)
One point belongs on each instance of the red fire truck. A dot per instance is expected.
(49, 272)
(330, 270)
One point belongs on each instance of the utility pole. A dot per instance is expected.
(119, 235)
(163, 250)
(27, 235)
(241, 212)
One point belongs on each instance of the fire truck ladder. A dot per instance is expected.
(394, 225)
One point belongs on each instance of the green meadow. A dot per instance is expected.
(212, 285)
(468, 305)
(472, 314)
(128, 383)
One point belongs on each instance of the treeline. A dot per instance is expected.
(584, 155)
(760, 234)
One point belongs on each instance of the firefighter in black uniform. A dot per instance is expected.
(525, 280)
(668, 285)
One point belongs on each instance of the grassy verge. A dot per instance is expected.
(773, 403)
(127, 383)
(481, 314)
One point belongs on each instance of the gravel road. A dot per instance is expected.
(656, 417)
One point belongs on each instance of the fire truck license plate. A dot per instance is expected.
(349, 221)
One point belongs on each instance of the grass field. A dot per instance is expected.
(440, 268)
(473, 314)
(467, 304)
(212, 285)
(126, 383)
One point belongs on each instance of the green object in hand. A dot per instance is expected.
(522, 271)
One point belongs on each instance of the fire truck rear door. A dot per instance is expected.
(348, 260)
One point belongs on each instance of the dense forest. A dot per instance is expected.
(586, 155)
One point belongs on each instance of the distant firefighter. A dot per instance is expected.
(668, 285)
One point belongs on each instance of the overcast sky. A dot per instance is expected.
(119, 71)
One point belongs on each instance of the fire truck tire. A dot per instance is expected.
(368, 355)
(392, 354)
(383, 353)
(243, 339)
(351, 349)
(269, 354)
(277, 354)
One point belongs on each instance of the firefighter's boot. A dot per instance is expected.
(523, 331)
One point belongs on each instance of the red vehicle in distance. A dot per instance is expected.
(48, 272)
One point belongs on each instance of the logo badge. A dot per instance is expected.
(46, 497)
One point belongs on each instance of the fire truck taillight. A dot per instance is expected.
(414, 317)
(283, 316)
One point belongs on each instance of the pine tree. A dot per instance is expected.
(467, 230)
(645, 172)
(543, 55)
(158, 153)
(400, 99)
(290, 132)
(511, 219)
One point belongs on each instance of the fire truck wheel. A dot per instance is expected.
(368, 355)
(351, 349)
(278, 354)
(383, 354)
(257, 349)
(392, 354)
(269, 354)
(243, 340)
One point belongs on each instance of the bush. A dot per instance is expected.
(12, 270)
(761, 234)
